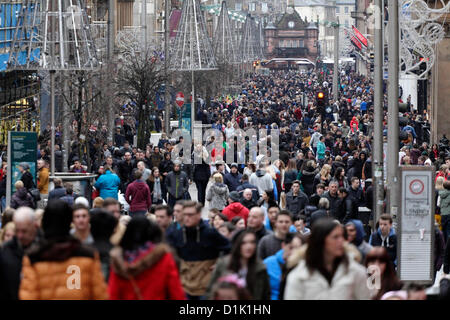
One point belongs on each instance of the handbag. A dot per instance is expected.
(35, 193)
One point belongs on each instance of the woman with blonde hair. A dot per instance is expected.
(7, 233)
(218, 193)
(97, 203)
(324, 176)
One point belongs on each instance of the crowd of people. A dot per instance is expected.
(253, 227)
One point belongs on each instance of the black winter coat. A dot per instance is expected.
(27, 180)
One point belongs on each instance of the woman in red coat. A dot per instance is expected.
(143, 268)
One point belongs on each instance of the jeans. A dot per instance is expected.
(172, 201)
(445, 223)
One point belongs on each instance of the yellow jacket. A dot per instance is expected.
(43, 180)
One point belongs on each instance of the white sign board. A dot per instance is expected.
(416, 225)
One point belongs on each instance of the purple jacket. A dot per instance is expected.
(138, 196)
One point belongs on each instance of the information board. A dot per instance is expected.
(22, 148)
(416, 225)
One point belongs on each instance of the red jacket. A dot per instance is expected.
(154, 272)
(138, 196)
(236, 209)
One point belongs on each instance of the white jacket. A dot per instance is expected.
(350, 285)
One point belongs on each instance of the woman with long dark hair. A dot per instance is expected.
(244, 262)
(340, 177)
(143, 268)
(377, 260)
(156, 186)
(327, 272)
(290, 175)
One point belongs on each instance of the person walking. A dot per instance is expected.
(142, 267)
(108, 184)
(156, 185)
(21, 198)
(138, 195)
(177, 184)
(327, 272)
(244, 262)
(218, 193)
(27, 233)
(44, 268)
(43, 181)
(198, 246)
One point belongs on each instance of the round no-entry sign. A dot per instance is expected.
(179, 99)
(416, 187)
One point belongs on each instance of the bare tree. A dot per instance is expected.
(140, 74)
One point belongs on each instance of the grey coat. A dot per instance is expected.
(218, 196)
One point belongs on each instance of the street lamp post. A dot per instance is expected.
(393, 133)
(378, 182)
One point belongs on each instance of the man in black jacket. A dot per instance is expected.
(296, 200)
(27, 233)
(333, 198)
(125, 168)
(198, 246)
(233, 178)
(255, 223)
(385, 237)
(246, 185)
(349, 210)
(355, 192)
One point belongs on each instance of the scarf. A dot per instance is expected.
(157, 190)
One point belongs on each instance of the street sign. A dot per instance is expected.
(416, 225)
(179, 100)
(186, 117)
(22, 148)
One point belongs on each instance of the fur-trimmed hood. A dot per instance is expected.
(148, 260)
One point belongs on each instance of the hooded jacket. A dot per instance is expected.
(376, 241)
(445, 202)
(151, 275)
(274, 266)
(140, 196)
(307, 179)
(262, 180)
(232, 181)
(198, 249)
(44, 271)
(177, 190)
(21, 198)
(236, 209)
(108, 185)
(363, 247)
(218, 196)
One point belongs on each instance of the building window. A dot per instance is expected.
(302, 43)
(264, 7)
(238, 6)
(252, 6)
(346, 23)
(338, 10)
(346, 9)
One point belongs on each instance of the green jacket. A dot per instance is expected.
(320, 150)
(445, 202)
(260, 290)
